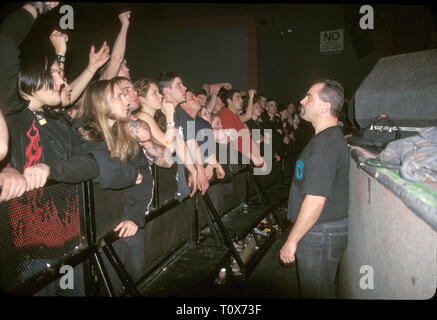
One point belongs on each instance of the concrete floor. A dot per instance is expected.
(269, 279)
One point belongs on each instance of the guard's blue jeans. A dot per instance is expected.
(318, 255)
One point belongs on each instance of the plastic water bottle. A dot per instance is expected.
(222, 277)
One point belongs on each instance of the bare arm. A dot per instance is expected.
(210, 105)
(59, 41)
(157, 152)
(155, 131)
(202, 179)
(119, 48)
(140, 130)
(4, 137)
(11, 38)
(310, 210)
(171, 145)
(249, 111)
(96, 61)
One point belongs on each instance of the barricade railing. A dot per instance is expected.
(73, 224)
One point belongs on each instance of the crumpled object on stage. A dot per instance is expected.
(417, 155)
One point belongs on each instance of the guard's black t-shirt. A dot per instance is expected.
(322, 169)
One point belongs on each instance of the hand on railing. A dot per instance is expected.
(36, 176)
(127, 229)
(12, 184)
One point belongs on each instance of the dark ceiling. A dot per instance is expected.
(160, 11)
(106, 12)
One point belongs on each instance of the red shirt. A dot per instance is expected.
(231, 120)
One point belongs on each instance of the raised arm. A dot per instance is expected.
(59, 41)
(249, 111)
(212, 100)
(14, 28)
(119, 48)
(96, 61)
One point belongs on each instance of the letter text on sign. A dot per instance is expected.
(332, 41)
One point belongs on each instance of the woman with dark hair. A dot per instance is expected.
(151, 101)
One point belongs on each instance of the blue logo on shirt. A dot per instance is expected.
(299, 169)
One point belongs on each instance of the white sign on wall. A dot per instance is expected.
(331, 41)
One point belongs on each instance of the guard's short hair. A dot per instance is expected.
(332, 92)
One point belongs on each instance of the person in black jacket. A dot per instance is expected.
(41, 140)
(102, 123)
(43, 146)
(271, 120)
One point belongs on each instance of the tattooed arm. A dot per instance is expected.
(153, 150)
(157, 152)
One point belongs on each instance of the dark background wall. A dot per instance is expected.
(289, 62)
(249, 44)
(201, 55)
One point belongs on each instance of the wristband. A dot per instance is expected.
(61, 59)
(171, 124)
(37, 8)
(39, 11)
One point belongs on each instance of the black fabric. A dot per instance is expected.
(32, 141)
(51, 144)
(14, 28)
(115, 174)
(274, 124)
(138, 197)
(252, 125)
(112, 173)
(322, 169)
(205, 138)
(288, 129)
(195, 128)
(184, 123)
(302, 135)
(257, 125)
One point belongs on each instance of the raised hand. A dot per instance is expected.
(49, 5)
(167, 108)
(227, 86)
(124, 17)
(59, 41)
(99, 58)
(252, 93)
